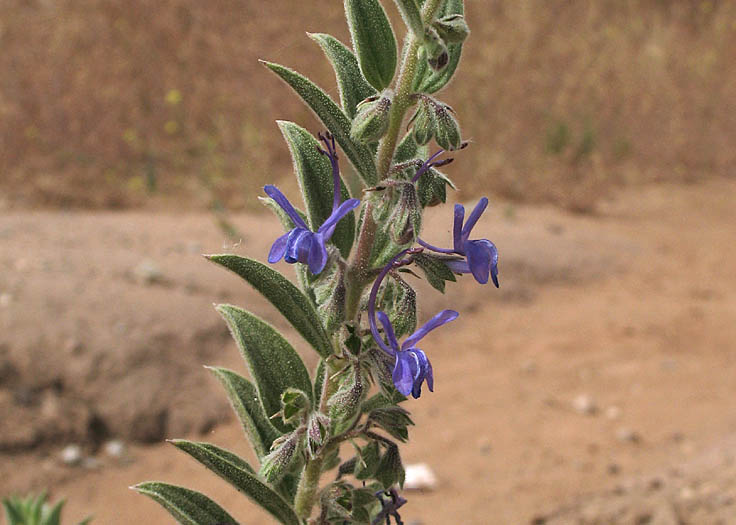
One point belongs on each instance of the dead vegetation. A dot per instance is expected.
(119, 104)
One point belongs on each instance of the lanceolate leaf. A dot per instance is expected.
(352, 85)
(425, 79)
(319, 379)
(238, 473)
(273, 363)
(187, 506)
(314, 174)
(244, 399)
(373, 41)
(286, 297)
(334, 120)
(412, 16)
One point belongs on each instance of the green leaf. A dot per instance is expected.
(295, 307)
(319, 379)
(425, 79)
(314, 173)
(412, 16)
(273, 363)
(244, 399)
(240, 475)
(435, 270)
(352, 85)
(187, 506)
(373, 41)
(54, 515)
(334, 119)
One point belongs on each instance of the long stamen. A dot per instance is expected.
(433, 248)
(428, 164)
(396, 262)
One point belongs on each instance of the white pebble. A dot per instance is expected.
(585, 405)
(115, 448)
(420, 477)
(71, 455)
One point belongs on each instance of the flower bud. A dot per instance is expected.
(330, 296)
(318, 429)
(432, 188)
(453, 29)
(372, 119)
(283, 458)
(435, 50)
(447, 130)
(423, 122)
(344, 405)
(406, 219)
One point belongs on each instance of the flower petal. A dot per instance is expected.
(457, 227)
(297, 246)
(278, 249)
(458, 266)
(424, 371)
(479, 260)
(474, 216)
(344, 208)
(404, 372)
(273, 192)
(445, 316)
(388, 330)
(317, 258)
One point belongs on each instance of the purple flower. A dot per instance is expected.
(481, 255)
(412, 367)
(302, 244)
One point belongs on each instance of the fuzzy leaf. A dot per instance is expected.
(435, 270)
(273, 363)
(187, 506)
(411, 14)
(373, 41)
(425, 79)
(319, 379)
(244, 399)
(240, 475)
(352, 85)
(295, 307)
(334, 119)
(314, 173)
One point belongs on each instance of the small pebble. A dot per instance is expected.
(148, 272)
(613, 412)
(71, 455)
(626, 435)
(115, 448)
(91, 463)
(420, 477)
(584, 405)
(5, 299)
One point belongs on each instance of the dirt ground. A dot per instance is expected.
(596, 386)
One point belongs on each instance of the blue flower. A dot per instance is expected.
(412, 367)
(302, 244)
(481, 255)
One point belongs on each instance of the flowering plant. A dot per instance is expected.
(352, 303)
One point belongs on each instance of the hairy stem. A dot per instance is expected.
(402, 93)
(307, 491)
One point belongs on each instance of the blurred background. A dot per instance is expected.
(603, 369)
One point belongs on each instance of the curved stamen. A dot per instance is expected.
(396, 262)
(434, 248)
(427, 164)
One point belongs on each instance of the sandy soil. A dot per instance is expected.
(105, 319)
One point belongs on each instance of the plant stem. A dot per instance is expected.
(402, 92)
(306, 493)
